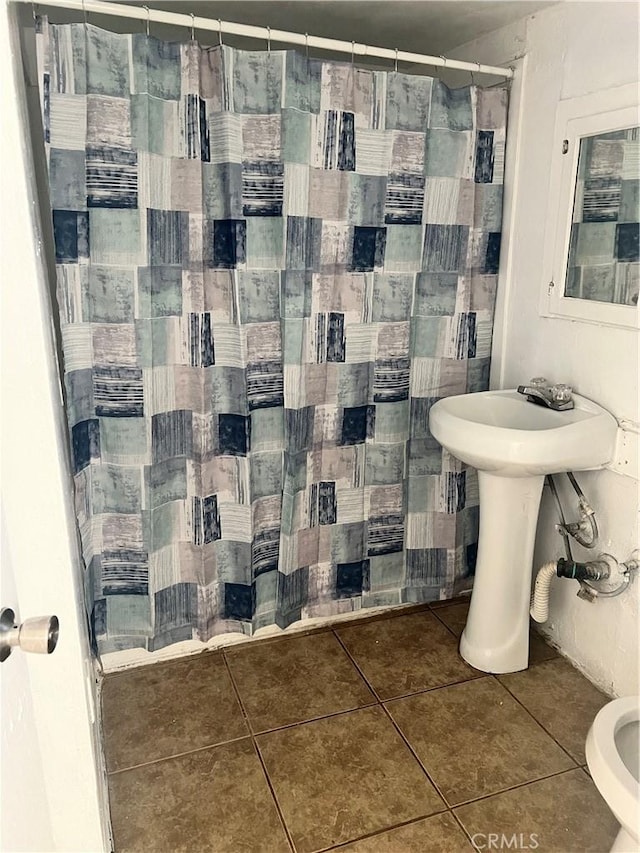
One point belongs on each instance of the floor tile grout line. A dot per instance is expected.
(449, 602)
(358, 668)
(410, 747)
(382, 704)
(178, 755)
(236, 691)
(536, 663)
(377, 699)
(452, 809)
(355, 666)
(442, 622)
(407, 696)
(463, 828)
(474, 800)
(437, 687)
(393, 722)
(317, 719)
(251, 731)
(381, 699)
(256, 733)
(534, 718)
(417, 758)
(377, 703)
(258, 754)
(283, 822)
(381, 831)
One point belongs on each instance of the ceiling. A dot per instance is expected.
(422, 26)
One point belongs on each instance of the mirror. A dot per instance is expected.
(604, 247)
(591, 261)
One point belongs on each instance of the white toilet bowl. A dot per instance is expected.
(613, 756)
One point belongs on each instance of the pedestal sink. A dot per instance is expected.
(513, 443)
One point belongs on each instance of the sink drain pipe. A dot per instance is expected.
(585, 573)
(585, 532)
(540, 598)
(595, 570)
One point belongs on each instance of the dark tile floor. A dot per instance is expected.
(369, 736)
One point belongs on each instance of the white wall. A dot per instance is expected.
(571, 49)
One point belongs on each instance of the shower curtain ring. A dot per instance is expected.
(84, 13)
(268, 39)
(444, 60)
(353, 52)
(148, 16)
(306, 45)
(193, 35)
(219, 32)
(396, 61)
(34, 12)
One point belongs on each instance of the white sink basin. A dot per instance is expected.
(502, 432)
(513, 443)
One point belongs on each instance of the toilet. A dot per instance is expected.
(613, 757)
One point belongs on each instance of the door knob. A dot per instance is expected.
(38, 635)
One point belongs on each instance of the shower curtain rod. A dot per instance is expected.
(193, 22)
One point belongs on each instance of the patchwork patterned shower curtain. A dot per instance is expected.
(268, 269)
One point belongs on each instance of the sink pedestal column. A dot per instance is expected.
(496, 636)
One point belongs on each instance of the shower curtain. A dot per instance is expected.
(268, 269)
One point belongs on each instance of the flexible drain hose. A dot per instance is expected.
(540, 598)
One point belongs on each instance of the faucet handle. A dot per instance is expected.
(539, 382)
(561, 393)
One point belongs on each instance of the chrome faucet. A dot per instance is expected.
(540, 391)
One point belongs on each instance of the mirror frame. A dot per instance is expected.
(600, 112)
